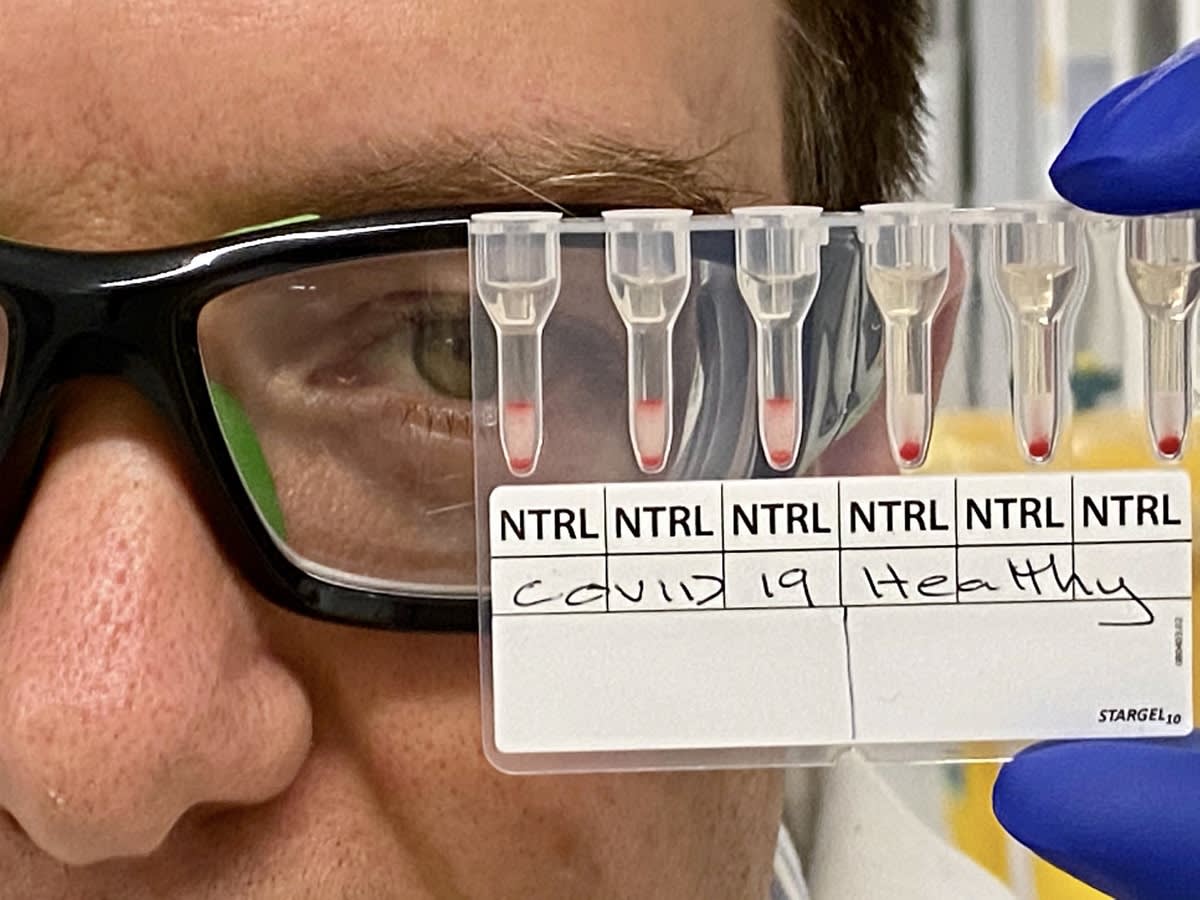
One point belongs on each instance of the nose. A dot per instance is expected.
(135, 683)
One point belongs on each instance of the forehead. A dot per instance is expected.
(223, 110)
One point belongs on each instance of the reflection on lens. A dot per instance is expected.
(343, 394)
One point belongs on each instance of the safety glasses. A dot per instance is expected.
(318, 376)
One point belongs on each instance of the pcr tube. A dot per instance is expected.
(517, 277)
(778, 269)
(1037, 268)
(1162, 262)
(908, 262)
(649, 264)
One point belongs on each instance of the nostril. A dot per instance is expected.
(10, 828)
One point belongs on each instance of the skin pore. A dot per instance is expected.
(164, 731)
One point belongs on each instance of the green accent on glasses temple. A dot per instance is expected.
(293, 220)
(248, 456)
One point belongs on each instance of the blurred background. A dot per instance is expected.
(1005, 81)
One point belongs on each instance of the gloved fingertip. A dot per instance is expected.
(1088, 183)
(1123, 187)
(1134, 151)
(1111, 813)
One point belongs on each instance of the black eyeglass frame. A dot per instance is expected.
(134, 316)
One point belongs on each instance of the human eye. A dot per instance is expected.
(441, 346)
(413, 347)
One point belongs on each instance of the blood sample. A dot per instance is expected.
(519, 435)
(1170, 445)
(910, 451)
(648, 255)
(650, 430)
(1038, 268)
(908, 263)
(779, 268)
(779, 429)
(517, 263)
(1039, 447)
(1163, 264)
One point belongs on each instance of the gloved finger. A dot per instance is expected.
(1123, 816)
(1137, 150)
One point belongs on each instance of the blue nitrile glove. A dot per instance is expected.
(1122, 815)
(1137, 150)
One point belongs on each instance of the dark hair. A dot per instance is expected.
(854, 109)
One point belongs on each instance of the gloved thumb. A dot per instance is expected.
(1123, 816)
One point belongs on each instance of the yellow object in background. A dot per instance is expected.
(1055, 884)
(977, 441)
(975, 831)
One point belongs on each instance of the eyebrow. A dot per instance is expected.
(563, 173)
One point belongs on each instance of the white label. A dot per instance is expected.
(1130, 506)
(664, 517)
(824, 611)
(757, 517)
(1009, 509)
(547, 520)
(897, 512)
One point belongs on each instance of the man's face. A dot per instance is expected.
(164, 730)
